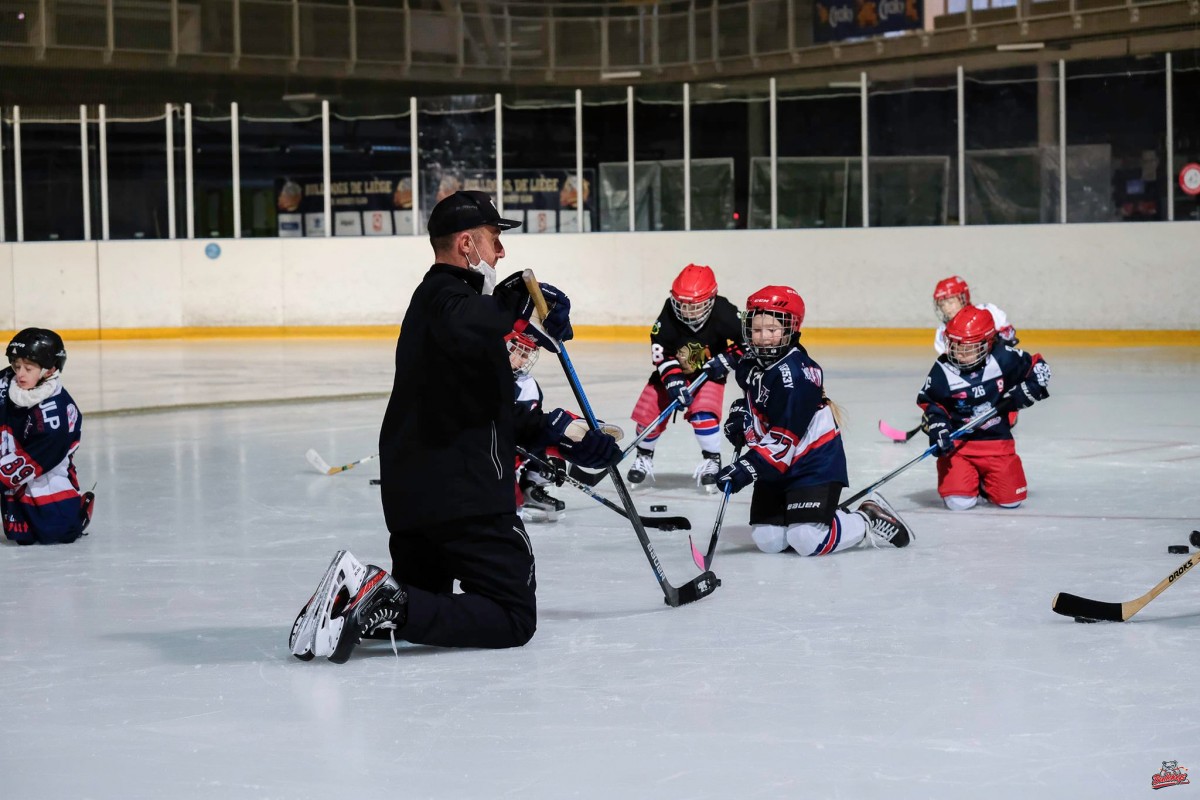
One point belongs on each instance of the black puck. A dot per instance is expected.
(1084, 619)
(1177, 549)
(658, 509)
(1195, 539)
(375, 481)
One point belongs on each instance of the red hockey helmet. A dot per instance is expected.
(771, 324)
(693, 295)
(950, 295)
(522, 352)
(969, 337)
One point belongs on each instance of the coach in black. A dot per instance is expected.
(448, 439)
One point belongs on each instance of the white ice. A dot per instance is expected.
(150, 660)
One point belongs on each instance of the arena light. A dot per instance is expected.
(1018, 47)
(618, 76)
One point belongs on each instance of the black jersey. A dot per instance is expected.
(720, 332)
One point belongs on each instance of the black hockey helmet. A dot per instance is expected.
(42, 346)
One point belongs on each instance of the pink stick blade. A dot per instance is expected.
(697, 556)
(892, 433)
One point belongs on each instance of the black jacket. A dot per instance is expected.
(448, 439)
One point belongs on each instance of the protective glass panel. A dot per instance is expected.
(658, 138)
(1011, 143)
(137, 175)
(818, 141)
(280, 147)
(541, 186)
(605, 141)
(8, 202)
(51, 174)
(212, 170)
(370, 165)
(728, 121)
(913, 148)
(457, 137)
(1185, 182)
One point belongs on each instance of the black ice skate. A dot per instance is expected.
(379, 606)
(537, 497)
(884, 526)
(643, 467)
(706, 472)
(316, 629)
(87, 504)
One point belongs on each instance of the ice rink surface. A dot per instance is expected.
(150, 660)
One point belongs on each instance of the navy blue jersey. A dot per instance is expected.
(37, 472)
(958, 395)
(793, 439)
(720, 332)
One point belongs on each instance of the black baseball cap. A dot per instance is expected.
(462, 211)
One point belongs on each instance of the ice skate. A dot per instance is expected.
(87, 504)
(316, 629)
(706, 472)
(539, 506)
(884, 526)
(379, 606)
(643, 467)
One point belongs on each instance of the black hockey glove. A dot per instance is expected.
(939, 436)
(591, 449)
(558, 317)
(677, 386)
(560, 470)
(736, 423)
(738, 475)
(721, 365)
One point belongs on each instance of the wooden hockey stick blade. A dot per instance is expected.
(1070, 605)
(895, 434)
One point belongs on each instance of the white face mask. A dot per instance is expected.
(488, 271)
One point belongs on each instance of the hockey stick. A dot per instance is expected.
(967, 427)
(705, 561)
(1070, 605)
(661, 523)
(895, 434)
(320, 465)
(668, 411)
(703, 584)
(593, 478)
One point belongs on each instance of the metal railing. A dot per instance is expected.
(532, 42)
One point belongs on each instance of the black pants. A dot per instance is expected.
(491, 558)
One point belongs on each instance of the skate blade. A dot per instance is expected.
(312, 636)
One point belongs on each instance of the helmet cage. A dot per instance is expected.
(967, 354)
(523, 351)
(767, 354)
(964, 299)
(693, 314)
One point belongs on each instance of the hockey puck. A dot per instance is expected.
(1195, 539)
(658, 509)
(1084, 619)
(376, 482)
(1177, 549)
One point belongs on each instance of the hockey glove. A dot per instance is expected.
(736, 423)
(1033, 389)
(677, 386)
(558, 317)
(560, 470)
(939, 436)
(721, 365)
(738, 475)
(591, 449)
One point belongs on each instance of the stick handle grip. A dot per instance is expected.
(535, 292)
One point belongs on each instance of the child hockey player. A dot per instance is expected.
(39, 433)
(950, 296)
(971, 377)
(794, 458)
(696, 329)
(533, 501)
